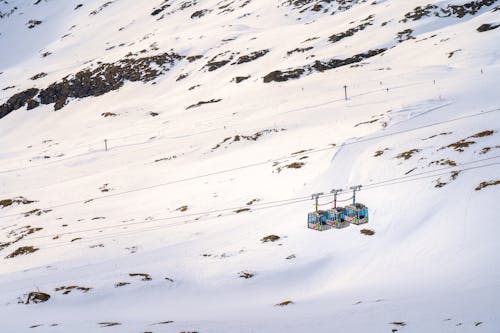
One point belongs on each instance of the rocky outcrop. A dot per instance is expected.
(17, 101)
(97, 81)
(319, 66)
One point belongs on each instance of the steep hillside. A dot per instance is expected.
(157, 160)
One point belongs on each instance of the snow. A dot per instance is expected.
(432, 262)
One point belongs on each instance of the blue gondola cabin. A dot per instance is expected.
(336, 218)
(318, 220)
(356, 213)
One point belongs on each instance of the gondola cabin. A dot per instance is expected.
(336, 218)
(318, 220)
(356, 213)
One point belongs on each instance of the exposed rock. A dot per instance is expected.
(22, 251)
(270, 238)
(239, 79)
(97, 81)
(37, 297)
(486, 184)
(200, 103)
(38, 76)
(459, 11)
(200, 13)
(33, 23)
(487, 27)
(338, 37)
(299, 50)
(250, 57)
(319, 66)
(17, 101)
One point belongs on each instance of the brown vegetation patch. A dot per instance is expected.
(23, 250)
(486, 184)
(18, 235)
(460, 145)
(241, 210)
(380, 152)
(436, 135)
(367, 232)
(18, 200)
(37, 297)
(284, 303)
(443, 162)
(408, 154)
(270, 238)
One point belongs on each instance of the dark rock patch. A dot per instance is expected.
(487, 27)
(23, 250)
(200, 103)
(250, 57)
(161, 8)
(404, 35)
(33, 23)
(348, 33)
(97, 81)
(101, 8)
(239, 79)
(144, 276)
(299, 50)
(193, 58)
(200, 13)
(37, 297)
(319, 66)
(38, 76)
(68, 289)
(270, 238)
(459, 11)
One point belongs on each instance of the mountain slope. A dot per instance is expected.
(221, 118)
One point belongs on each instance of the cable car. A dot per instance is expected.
(336, 218)
(318, 220)
(336, 215)
(356, 213)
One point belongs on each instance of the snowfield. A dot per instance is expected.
(220, 119)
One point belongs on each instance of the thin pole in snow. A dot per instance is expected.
(345, 92)
(106, 144)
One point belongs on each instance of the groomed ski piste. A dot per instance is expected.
(157, 161)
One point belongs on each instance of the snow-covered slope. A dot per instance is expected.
(221, 118)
